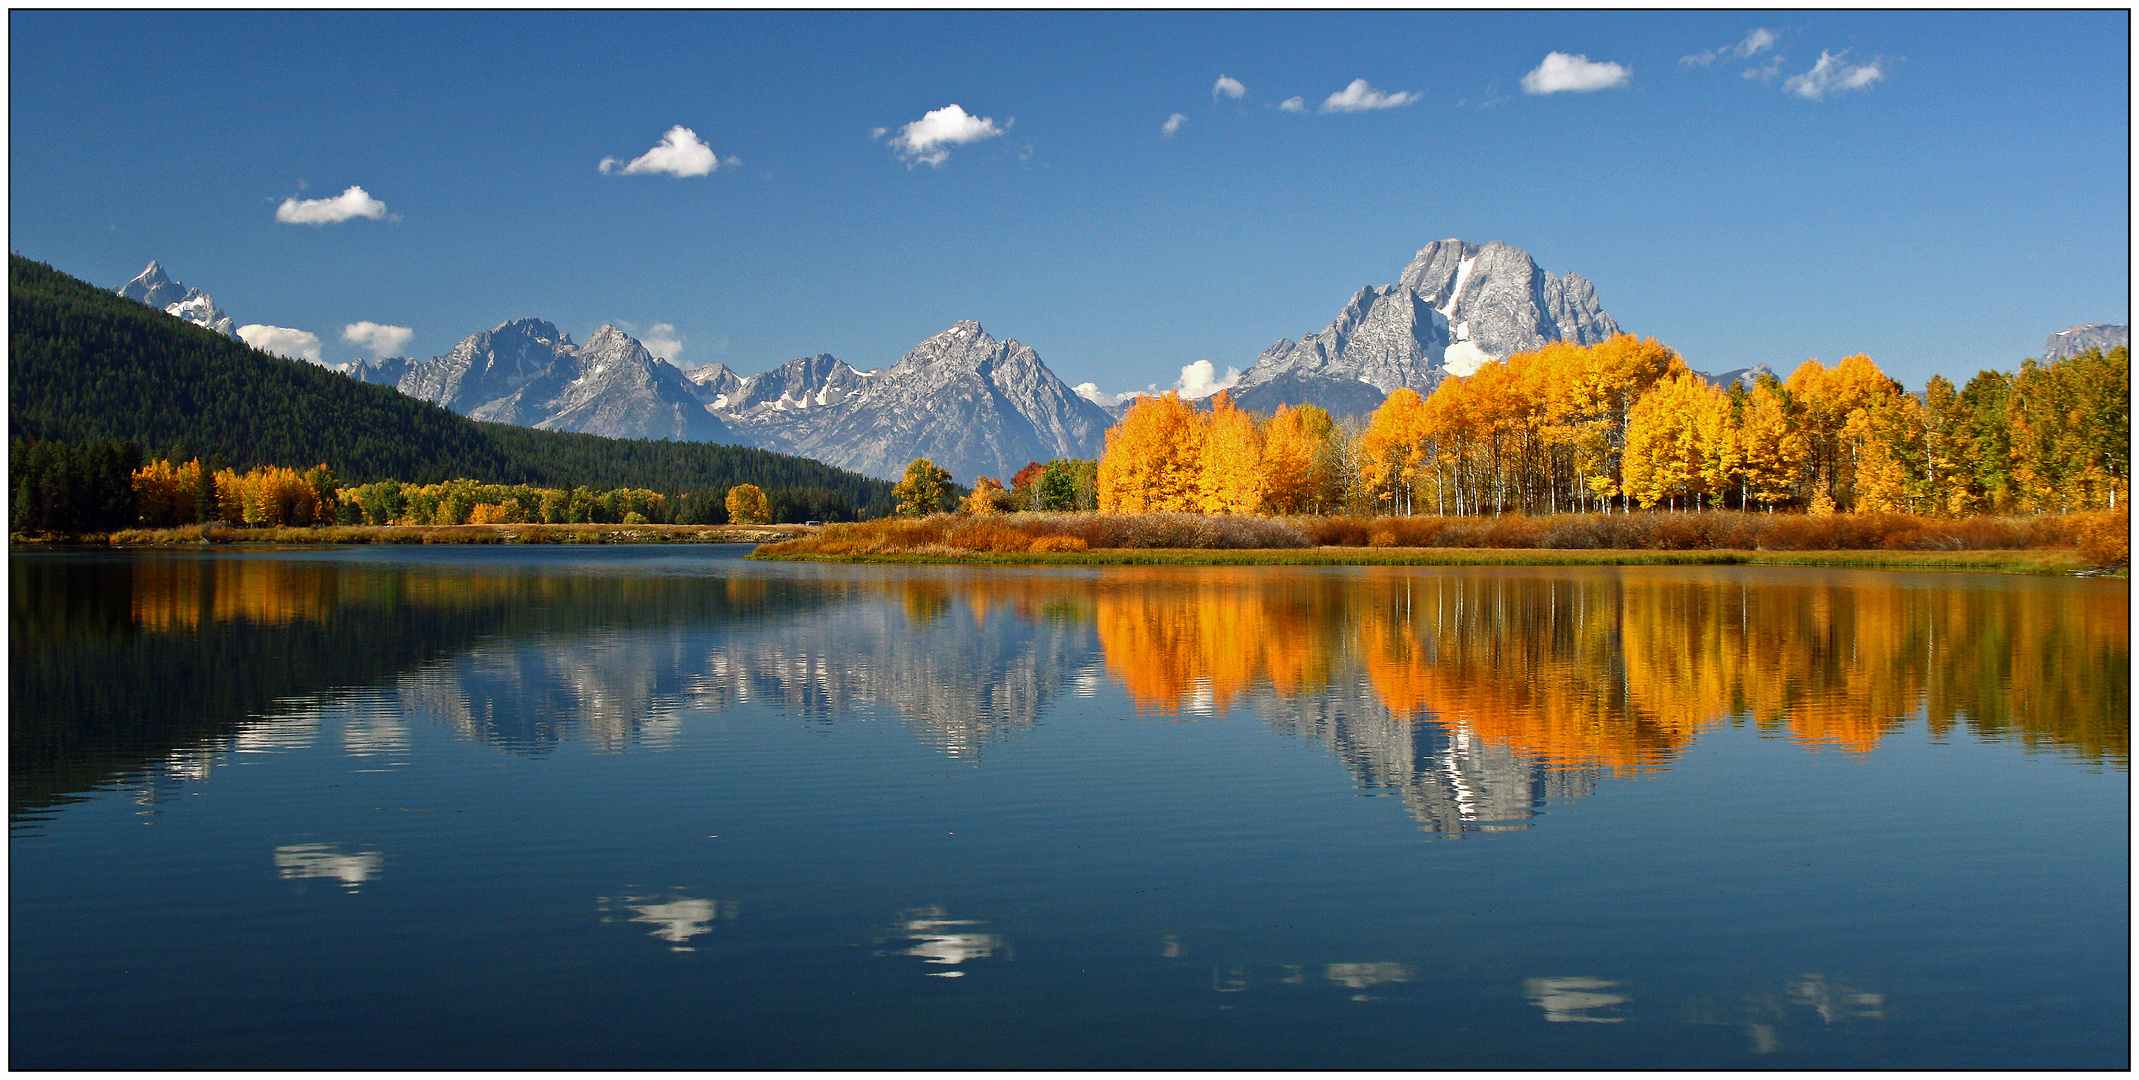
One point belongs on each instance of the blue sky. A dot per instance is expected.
(1946, 190)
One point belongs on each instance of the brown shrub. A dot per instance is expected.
(2104, 537)
(1059, 543)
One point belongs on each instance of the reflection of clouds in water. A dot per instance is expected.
(1770, 1015)
(1568, 999)
(296, 861)
(941, 940)
(676, 919)
(1836, 1004)
(291, 732)
(1362, 976)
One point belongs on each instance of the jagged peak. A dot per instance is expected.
(539, 329)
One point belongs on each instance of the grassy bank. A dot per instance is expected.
(2008, 562)
(2041, 544)
(435, 534)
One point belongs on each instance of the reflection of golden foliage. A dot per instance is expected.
(183, 594)
(1626, 668)
(1527, 662)
(1167, 634)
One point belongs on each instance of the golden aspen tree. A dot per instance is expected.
(1824, 398)
(1296, 464)
(923, 490)
(1718, 439)
(1772, 449)
(1230, 475)
(1663, 456)
(1152, 457)
(988, 497)
(1888, 439)
(746, 505)
(1389, 449)
(1944, 478)
(161, 496)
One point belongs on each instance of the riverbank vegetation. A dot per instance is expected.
(501, 533)
(2086, 538)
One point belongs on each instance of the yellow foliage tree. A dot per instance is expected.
(988, 497)
(923, 491)
(1772, 449)
(1153, 457)
(747, 505)
(1230, 477)
(1389, 451)
(1296, 461)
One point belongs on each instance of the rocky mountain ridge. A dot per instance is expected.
(970, 403)
(2075, 340)
(1456, 306)
(155, 288)
(527, 372)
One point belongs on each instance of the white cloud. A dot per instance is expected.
(1760, 40)
(1765, 73)
(681, 153)
(1359, 97)
(1092, 393)
(1293, 104)
(379, 340)
(927, 141)
(1578, 74)
(663, 341)
(1199, 380)
(282, 341)
(1832, 76)
(1229, 87)
(1173, 124)
(353, 203)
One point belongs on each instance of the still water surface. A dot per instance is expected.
(651, 808)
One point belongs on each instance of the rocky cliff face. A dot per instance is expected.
(526, 372)
(155, 288)
(1455, 307)
(2079, 339)
(970, 403)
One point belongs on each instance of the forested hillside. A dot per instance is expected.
(85, 364)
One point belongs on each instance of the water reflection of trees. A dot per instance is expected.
(1625, 668)
(1471, 693)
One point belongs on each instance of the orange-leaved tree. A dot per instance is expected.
(1230, 478)
(1153, 457)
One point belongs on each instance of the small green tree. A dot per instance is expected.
(922, 492)
(747, 505)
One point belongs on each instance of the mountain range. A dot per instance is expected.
(977, 405)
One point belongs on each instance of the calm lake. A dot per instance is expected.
(666, 808)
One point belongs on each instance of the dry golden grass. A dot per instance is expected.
(2099, 538)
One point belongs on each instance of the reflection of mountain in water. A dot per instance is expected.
(1472, 694)
(1451, 780)
(964, 674)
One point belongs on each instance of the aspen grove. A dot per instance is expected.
(1625, 424)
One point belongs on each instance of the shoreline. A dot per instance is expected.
(2040, 562)
(2045, 562)
(350, 535)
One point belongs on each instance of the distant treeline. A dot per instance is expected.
(103, 486)
(90, 368)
